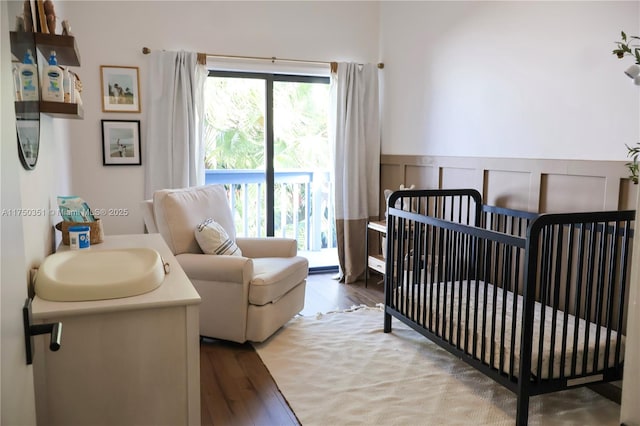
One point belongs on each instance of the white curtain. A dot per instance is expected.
(356, 128)
(174, 148)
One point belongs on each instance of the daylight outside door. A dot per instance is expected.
(267, 141)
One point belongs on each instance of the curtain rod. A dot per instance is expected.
(202, 58)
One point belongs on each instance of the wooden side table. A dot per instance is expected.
(375, 261)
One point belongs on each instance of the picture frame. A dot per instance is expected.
(121, 143)
(31, 17)
(42, 18)
(120, 88)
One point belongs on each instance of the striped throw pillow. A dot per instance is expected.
(213, 239)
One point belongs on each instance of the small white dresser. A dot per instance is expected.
(126, 361)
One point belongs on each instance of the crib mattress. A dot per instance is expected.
(464, 295)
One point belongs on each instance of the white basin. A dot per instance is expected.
(81, 275)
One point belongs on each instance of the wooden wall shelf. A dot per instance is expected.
(25, 109)
(67, 54)
(65, 46)
(62, 110)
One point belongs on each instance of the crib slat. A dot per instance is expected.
(506, 281)
(579, 286)
(611, 283)
(418, 230)
(589, 293)
(625, 256)
(449, 292)
(435, 263)
(476, 312)
(449, 286)
(424, 271)
(494, 279)
(547, 236)
(466, 273)
(514, 316)
(602, 255)
(557, 283)
(440, 277)
(567, 296)
(455, 284)
(398, 260)
(486, 272)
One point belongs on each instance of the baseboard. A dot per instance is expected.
(610, 391)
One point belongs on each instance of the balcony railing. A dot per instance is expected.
(303, 204)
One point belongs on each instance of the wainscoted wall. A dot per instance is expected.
(537, 185)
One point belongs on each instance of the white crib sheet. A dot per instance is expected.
(546, 353)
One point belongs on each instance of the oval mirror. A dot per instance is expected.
(28, 129)
(26, 94)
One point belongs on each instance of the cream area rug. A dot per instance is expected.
(342, 369)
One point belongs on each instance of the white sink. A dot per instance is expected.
(81, 275)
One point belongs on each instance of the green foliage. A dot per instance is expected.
(235, 139)
(633, 166)
(300, 122)
(235, 124)
(625, 48)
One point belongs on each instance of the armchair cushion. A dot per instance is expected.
(179, 211)
(202, 267)
(267, 247)
(213, 239)
(273, 277)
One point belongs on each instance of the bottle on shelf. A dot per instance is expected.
(53, 84)
(69, 86)
(15, 69)
(28, 78)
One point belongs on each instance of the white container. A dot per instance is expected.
(16, 82)
(28, 79)
(79, 237)
(53, 81)
(69, 86)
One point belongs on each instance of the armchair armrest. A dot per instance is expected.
(268, 247)
(209, 267)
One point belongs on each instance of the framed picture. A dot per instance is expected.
(120, 89)
(42, 18)
(30, 10)
(121, 143)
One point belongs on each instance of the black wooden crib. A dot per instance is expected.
(510, 291)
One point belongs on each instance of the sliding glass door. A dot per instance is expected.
(267, 141)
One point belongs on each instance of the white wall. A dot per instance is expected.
(26, 239)
(113, 33)
(50, 177)
(41, 186)
(17, 404)
(496, 79)
(507, 79)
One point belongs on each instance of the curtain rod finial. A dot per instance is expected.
(146, 50)
(381, 65)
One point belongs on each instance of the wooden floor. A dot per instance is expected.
(237, 389)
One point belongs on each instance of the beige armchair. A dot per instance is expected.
(244, 298)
